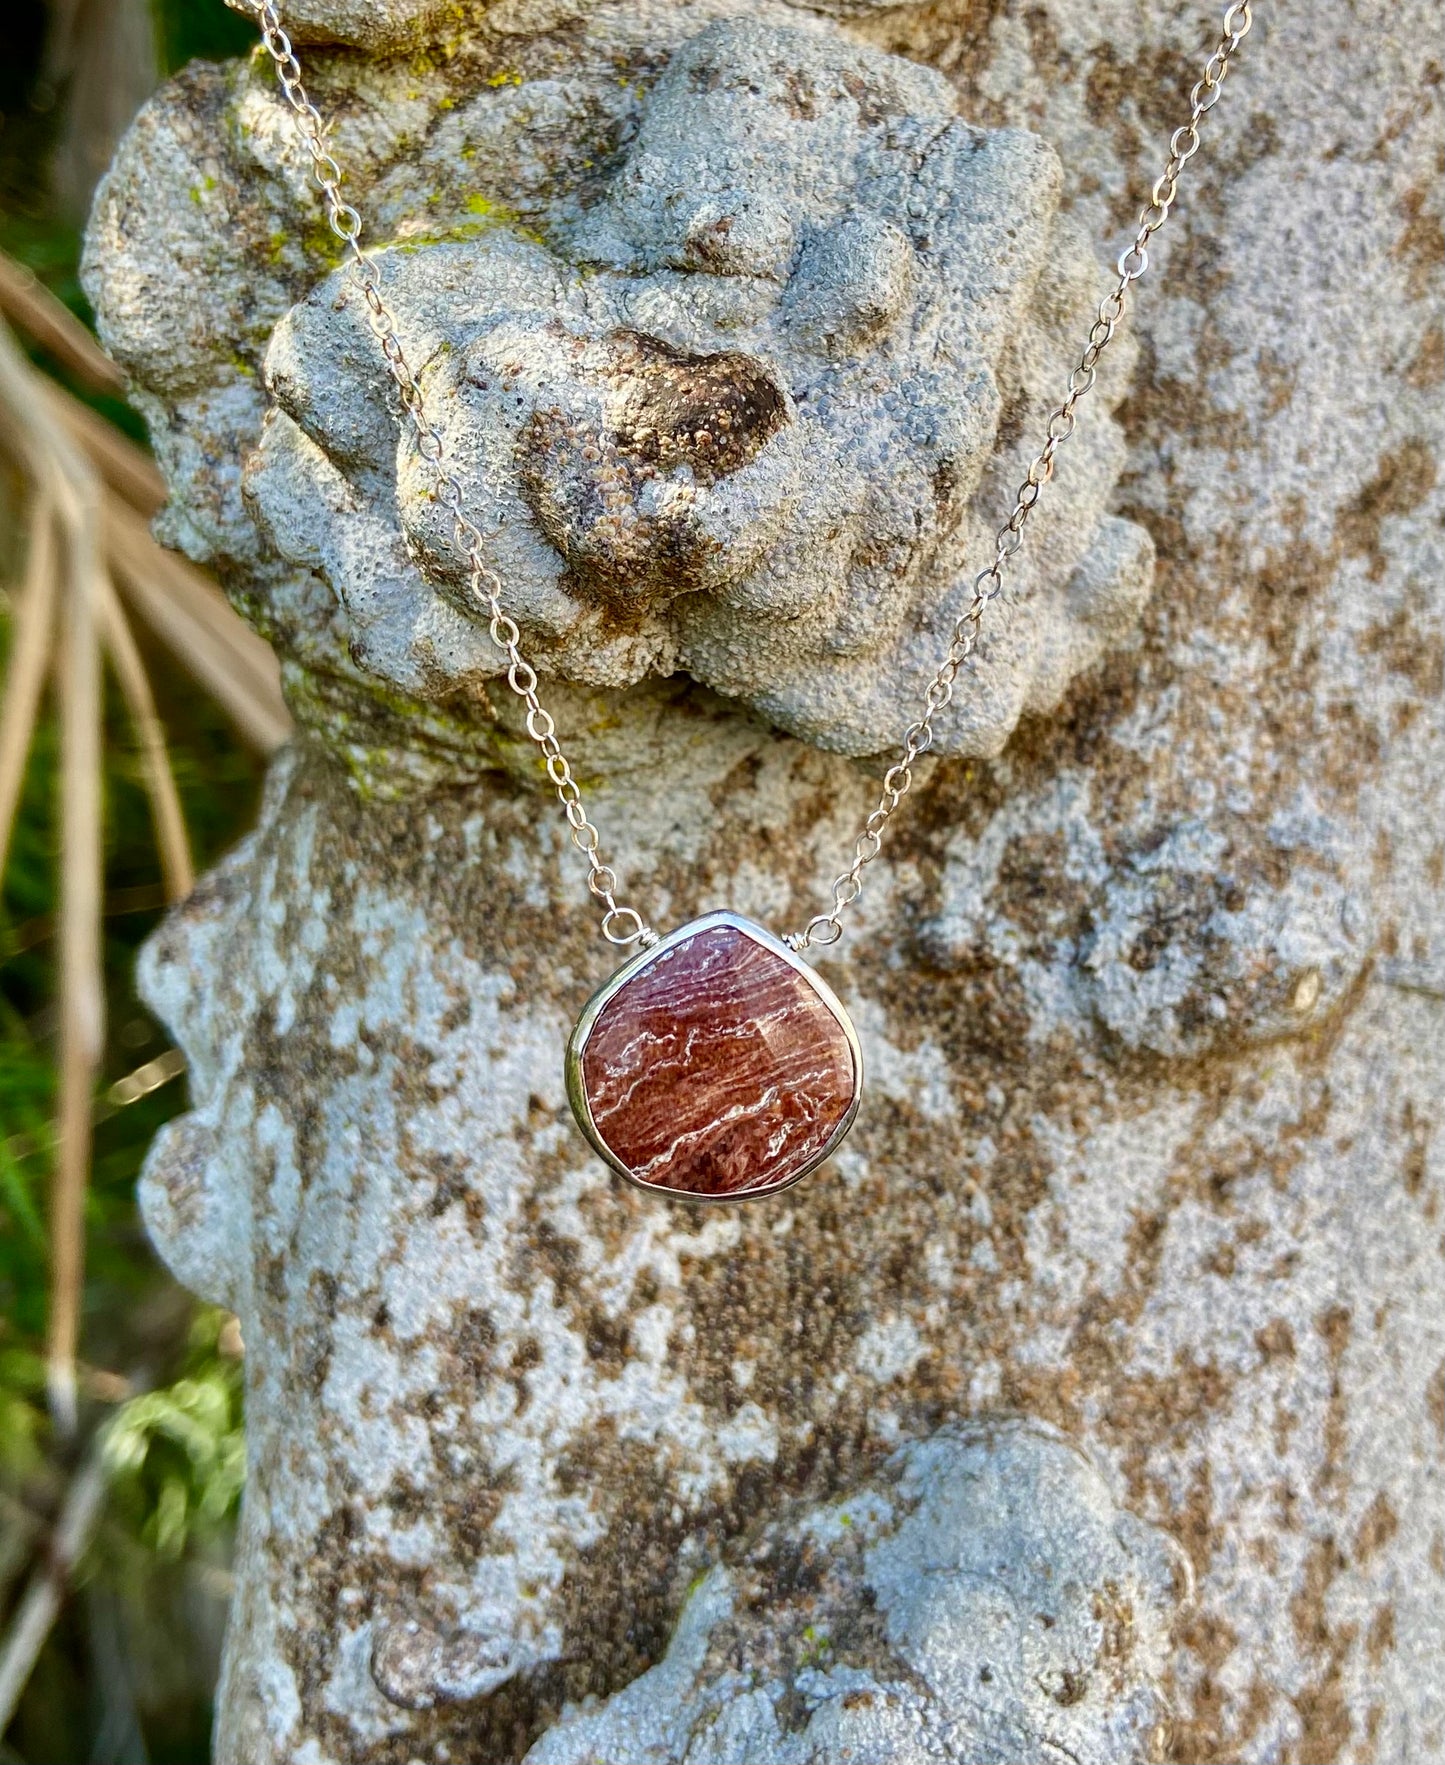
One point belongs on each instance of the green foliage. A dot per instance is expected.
(190, 30)
(22, 1385)
(178, 1455)
(178, 1451)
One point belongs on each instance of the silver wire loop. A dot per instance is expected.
(624, 925)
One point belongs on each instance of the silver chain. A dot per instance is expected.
(622, 924)
(827, 928)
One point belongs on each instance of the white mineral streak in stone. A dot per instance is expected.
(1153, 1003)
(982, 1600)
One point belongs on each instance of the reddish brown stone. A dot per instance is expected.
(718, 1069)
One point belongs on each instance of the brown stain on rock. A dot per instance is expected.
(1404, 477)
(951, 35)
(1378, 1526)
(1322, 1706)
(1380, 1638)
(1435, 1401)
(1420, 245)
(1204, 1734)
(1276, 1340)
(1411, 644)
(1427, 367)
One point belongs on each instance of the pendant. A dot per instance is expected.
(715, 1066)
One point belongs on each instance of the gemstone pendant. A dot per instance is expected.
(715, 1066)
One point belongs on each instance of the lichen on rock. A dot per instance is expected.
(735, 371)
(981, 1599)
(1150, 1001)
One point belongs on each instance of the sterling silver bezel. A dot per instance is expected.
(577, 1043)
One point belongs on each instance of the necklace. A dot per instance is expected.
(714, 1064)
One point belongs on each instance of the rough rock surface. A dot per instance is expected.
(1152, 1004)
(982, 1600)
(738, 358)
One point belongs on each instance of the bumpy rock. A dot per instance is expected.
(1151, 1004)
(982, 1600)
(736, 365)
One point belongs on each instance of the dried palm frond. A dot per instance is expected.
(126, 469)
(195, 621)
(31, 633)
(91, 492)
(174, 847)
(30, 307)
(66, 485)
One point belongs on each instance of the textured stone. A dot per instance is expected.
(1151, 1003)
(982, 1601)
(718, 1069)
(737, 359)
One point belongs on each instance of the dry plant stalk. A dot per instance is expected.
(82, 979)
(180, 604)
(194, 620)
(31, 629)
(40, 1605)
(93, 490)
(123, 467)
(32, 308)
(67, 484)
(175, 849)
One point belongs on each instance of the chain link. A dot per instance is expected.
(622, 924)
(827, 928)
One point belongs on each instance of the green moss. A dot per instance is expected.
(490, 216)
(443, 236)
(432, 56)
(816, 1648)
(321, 243)
(391, 745)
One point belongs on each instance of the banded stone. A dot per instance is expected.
(719, 1067)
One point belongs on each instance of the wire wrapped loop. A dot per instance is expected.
(623, 925)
